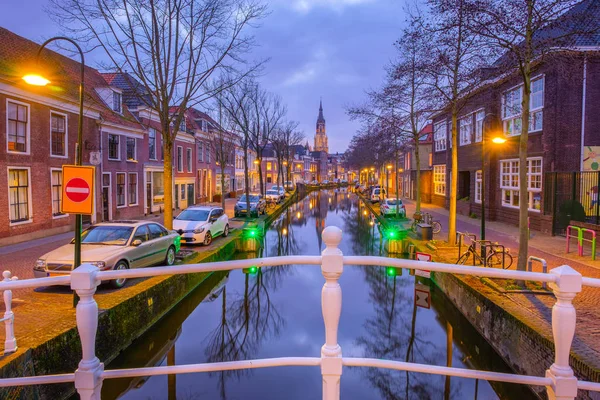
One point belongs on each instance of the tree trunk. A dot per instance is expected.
(260, 177)
(418, 175)
(168, 179)
(453, 180)
(523, 183)
(396, 169)
(223, 185)
(247, 182)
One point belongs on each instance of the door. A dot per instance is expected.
(190, 194)
(149, 197)
(159, 243)
(177, 197)
(141, 256)
(105, 204)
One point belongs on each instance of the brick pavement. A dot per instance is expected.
(586, 343)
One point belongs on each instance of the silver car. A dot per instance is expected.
(114, 245)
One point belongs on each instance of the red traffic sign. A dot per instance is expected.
(77, 190)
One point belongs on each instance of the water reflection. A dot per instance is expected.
(276, 312)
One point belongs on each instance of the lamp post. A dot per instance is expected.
(497, 140)
(387, 179)
(38, 80)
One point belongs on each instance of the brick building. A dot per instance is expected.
(408, 168)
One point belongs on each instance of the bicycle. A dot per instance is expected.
(427, 218)
(494, 258)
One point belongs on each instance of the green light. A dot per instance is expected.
(253, 270)
(253, 233)
(390, 271)
(391, 234)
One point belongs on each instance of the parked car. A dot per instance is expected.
(325, 182)
(315, 182)
(289, 185)
(273, 196)
(280, 189)
(117, 245)
(199, 225)
(388, 207)
(377, 194)
(258, 205)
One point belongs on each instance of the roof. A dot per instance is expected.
(321, 119)
(132, 89)
(18, 57)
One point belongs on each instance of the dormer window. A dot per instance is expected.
(204, 125)
(116, 106)
(182, 125)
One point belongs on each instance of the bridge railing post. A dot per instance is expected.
(88, 377)
(10, 342)
(568, 284)
(331, 304)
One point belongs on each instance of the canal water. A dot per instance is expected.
(277, 312)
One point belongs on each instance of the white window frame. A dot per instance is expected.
(440, 138)
(66, 134)
(509, 182)
(465, 128)
(127, 139)
(29, 196)
(478, 186)
(27, 130)
(150, 156)
(510, 120)
(479, 120)
(189, 158)
(124, 189)
(117, 107)
(118, 147)
(200, 150)
(439, 179)
(59, 215)
(179, 159)
(137, 187)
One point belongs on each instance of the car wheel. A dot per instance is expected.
(235, 215)
(170, 257)
(207, 239)
(226, 231)
(119, 283)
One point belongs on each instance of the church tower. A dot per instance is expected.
(321, 136)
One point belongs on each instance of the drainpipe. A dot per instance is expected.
(583, 109)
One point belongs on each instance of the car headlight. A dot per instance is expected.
(198, 230)
(99, 264)
(40, 265)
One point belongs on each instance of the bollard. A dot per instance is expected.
(568, 284)
(592, 241)
(10, 343)
(88, 376)
(530, 261)
(569, 236)
(331, 303)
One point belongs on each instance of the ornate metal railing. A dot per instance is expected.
(559, 379)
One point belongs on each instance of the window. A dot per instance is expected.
(466, 129)
(142, 234)
(200, 151)
(478, 186)
(120, 189)
(182, 188)
(439, 179)
(511, 108)
(116, 102)
(439, 136)
(130, 146)
(18, 193)
(132, 189)
(56, 182)
(152, 143)
(113, 147)
(58, 135)
(18, 129)
(204, 125)
(182, 125)
(479, 117)
(179, 159)
(156, 231)
(189, 159)
(509, 183)
(207, 147)
(269, 166)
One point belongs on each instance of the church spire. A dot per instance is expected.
(321, 118)
(321, 135)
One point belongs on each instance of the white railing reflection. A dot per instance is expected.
(559, 379)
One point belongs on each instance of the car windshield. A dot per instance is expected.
(193, 215)
(253, 199)
(393, 202)
(107, 235)
(272, 192)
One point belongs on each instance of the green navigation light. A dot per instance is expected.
(390, 271)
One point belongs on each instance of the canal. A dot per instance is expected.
(277, 312)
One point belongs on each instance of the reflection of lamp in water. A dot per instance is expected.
(330, 200)
(365, 212)
(371, 223)
(298, 215)
(284, 231)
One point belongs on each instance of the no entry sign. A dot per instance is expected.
(78, 189)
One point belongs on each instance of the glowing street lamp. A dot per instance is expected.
(36, 80)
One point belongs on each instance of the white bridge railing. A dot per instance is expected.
(559, 379)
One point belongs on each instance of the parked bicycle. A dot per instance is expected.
(426, 218)
(496, 254)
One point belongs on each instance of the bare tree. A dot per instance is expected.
(171, 47)
(527, 30)
(223, 142)
(284, 140)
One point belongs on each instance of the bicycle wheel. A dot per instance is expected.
(495, 260)
(436, 227)
(413, 227)
(462, 260)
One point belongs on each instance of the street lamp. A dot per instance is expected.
(495, 140)
(388, 168)
(38, 80)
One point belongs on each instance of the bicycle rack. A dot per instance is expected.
(530, 261)
(582, 239)
(570, 236)
(492, 246)
(459, 239)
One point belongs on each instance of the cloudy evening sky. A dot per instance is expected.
(330, 48)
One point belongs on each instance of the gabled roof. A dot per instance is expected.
(18, 57)
(132, 89)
